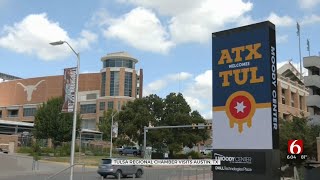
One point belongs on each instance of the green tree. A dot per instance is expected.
(173, 110)
(298, 129)
(105, 124)
(178, 112)
(132, 119)
(51, 123)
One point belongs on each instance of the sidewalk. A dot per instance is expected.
(207, 176)
(186, 167)
(19, 165)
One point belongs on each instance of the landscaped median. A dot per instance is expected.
(89, 156)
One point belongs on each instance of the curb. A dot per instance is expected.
(28, 173)
(66, 163)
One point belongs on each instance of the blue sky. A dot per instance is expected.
(171, 39)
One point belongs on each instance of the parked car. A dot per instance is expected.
(119, 148)
(130, 150)
(3, 151)
(206, 151)
(106, 168)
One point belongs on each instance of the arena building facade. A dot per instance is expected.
(117, 83)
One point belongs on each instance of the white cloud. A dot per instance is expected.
(308, 4)
(162, 83)
(208, 115)
(166, 7)
(199, 93)
(179, 76)
(33, 34)
(141, 29)
(157, 85)
(197, 24)
(192, 21)
(202, 85)
(88, 72)
(246, 20)
(280, 64)
(100, 18)
(281, 21)
(195, 103)
(312, 19)
(282, 38)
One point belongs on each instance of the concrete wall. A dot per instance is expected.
(312, 80)
(311, 61)
(5, 140)
(313, 100)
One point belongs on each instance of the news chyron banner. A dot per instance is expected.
(245, 107)
(69, 89)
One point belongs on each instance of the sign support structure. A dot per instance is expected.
(245, 104)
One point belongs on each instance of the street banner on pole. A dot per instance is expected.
(115, 129)
(69, 89)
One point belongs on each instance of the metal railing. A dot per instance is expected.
(65, 169)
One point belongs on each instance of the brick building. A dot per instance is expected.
(117, 83)
(292, 93)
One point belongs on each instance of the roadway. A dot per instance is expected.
(14, 167)
(150, 174)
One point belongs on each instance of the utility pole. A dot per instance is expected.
(308, 46)
(298, 34)
(111, 132)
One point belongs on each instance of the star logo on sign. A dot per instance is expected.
(240, 107)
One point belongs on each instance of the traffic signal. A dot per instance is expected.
(194, 126)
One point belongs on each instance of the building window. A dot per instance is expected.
(315, 71)
(316, 91)
(101, 120)
(110, 105)
(102, 106)
(316, 111)
(283, 96)
(0, 113)
(103, 84)
(119, 105)
(300, 102)
(292, 99)
(87, 108)
(286, 117)
(13, 113)
(91, 96)
(119, 63)
(128, 84)
(88, 124)
(29, 112)
(114, 83)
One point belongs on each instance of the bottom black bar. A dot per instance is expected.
(246, 164)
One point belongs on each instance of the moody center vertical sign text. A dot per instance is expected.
(245, 106)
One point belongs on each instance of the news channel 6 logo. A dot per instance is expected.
(295, 149)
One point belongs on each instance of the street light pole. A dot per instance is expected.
(112, 115)
(80, 145)
(75, 106)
